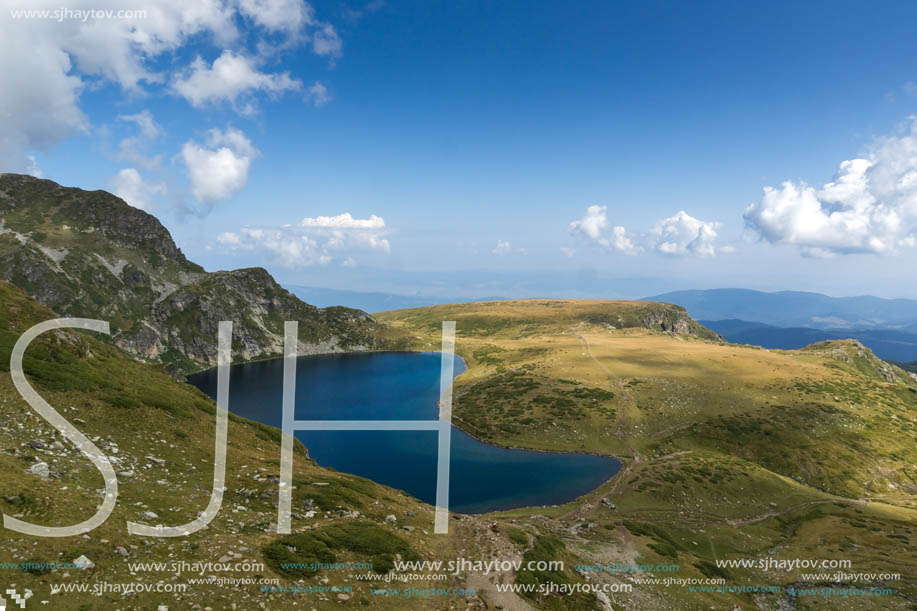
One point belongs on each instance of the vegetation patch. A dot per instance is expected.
(365, 539)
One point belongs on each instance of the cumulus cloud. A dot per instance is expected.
(231, 78)
(278, 15)
(595, 225)
(129, 185)
(39, 100)
(219, 168)
(683, 234)
(869, 207)
(679, 235)
(343, 221)
(314, 240)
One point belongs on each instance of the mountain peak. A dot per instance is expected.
(29, 204)
(90, 254)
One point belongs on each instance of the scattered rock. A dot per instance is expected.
(391, 519)
(40, 469)
(56, 445)
(604, 601)
(82, 562)
(121, 551)
(149, 515)
(37, 445)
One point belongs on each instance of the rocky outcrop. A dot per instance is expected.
(675, 319)
(858, 356)
(89, 254)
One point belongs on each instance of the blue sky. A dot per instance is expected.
(491, 148)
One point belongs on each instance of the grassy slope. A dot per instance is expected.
(730, 451)
(146, 413)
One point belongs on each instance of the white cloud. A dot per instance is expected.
(503, 247)
(869, 207)
(32, 168)
(318, 95)
(679, 235)
(47, 63)
(144, 120)
(229, 239)
(228, 79)
(325, 41)
(132, 147)
(594, 226)
(278, 15)
(218, 169)
(343, 221)
(683, 234)
(568, 252)
(313, 241)
(130, 186)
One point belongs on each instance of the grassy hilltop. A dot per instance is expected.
(731, 451)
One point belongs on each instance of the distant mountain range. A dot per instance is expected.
(888, 344)
(793, 319)
(797, 309)
(372, 302)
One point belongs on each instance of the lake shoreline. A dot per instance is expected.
(581, 472)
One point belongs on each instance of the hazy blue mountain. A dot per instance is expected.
(796, 309)
(888, 344)
(371, 302)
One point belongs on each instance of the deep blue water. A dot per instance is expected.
(403, 386)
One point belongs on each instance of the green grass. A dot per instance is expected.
(365, 540)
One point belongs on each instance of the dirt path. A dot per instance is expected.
(627, 402)
(775, 513)
(484, 586)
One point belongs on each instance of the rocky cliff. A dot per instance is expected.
(89, 254)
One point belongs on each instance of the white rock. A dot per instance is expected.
(84, 563)
(40, 469)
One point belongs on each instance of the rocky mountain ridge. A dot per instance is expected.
(89, 254)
